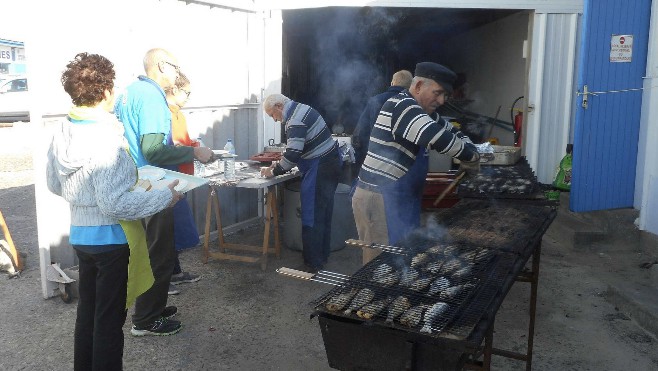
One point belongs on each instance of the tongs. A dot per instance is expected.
(327, 277)
(385, 248)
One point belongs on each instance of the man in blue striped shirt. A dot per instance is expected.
(386, 202)
(310, 146)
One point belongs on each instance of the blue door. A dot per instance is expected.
(606, 130)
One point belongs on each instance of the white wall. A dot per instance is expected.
(222, 52)
(492, 58)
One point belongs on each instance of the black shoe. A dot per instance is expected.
(169, 312)
(161, 327)
(308, 269)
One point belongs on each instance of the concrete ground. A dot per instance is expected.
(596, 306)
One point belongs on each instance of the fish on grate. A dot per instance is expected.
(389, 279)
(381, 271)
(412, 316)
(408, 277)
(450, 266)
(421, 284)
(434, 311)
(434, 267)
(363, 297)
(463, 272)
(419, 259)
(368, 311)
(340, 300)
(397, 307)
(438, 285)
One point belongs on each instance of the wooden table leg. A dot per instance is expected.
(206, 231)
(17, 260)
(220, 228)
(275, 211)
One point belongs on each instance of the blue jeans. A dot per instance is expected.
(98, 340)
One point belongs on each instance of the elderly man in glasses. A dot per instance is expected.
(146, 118)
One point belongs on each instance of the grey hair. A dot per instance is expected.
(274, 99)
(418, 79)
(402, 78)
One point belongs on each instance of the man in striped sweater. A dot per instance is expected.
(310, 146)
(386, 202)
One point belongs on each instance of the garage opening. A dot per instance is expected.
(335, 58)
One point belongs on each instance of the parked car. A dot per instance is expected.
(14, 104)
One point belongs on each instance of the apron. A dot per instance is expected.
(140, 275)
(309, 170)
(402, 199)
(185, 231)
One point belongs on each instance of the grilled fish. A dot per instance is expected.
(451, 265)
(451, 250)
(380, 271)
(362, 298)
(370, 310)
(451, 292)
(421, 283)
(389, 279)
(408, 277)
(437, 249)
(412, 316)
(463, 272)
(439, 285)
(419, 259)
(339, 301)
(434, 266)
(397, 307)
(434, 311)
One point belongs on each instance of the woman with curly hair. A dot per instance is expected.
(89, 166)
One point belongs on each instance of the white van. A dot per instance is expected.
(14, 104)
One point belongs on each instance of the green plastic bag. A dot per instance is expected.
(563, 176)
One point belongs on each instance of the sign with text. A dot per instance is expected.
(5, 54)
(621, 49)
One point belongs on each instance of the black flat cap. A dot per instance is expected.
(439, 73)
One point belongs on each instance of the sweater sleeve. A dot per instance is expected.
(412, 123)
(52, 180)
(294, 146)
(158, 153)
(113, 177)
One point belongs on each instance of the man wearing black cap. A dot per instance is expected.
(386, 202)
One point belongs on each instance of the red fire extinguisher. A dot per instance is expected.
(518, 127)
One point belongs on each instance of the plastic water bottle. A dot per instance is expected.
(229, 162)
(229, 147)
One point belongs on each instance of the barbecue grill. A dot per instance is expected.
(516, 181)
(465, 268)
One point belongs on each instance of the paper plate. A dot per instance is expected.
(182, 183)
(164, 183)
(151, 174)
(220, 151)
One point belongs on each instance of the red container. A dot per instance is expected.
(435, 184)
(267, 156)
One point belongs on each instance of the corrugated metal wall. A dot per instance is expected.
(239, 123)
(557, 93)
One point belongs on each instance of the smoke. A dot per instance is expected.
(349, 61)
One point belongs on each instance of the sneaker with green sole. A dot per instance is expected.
(161, 327)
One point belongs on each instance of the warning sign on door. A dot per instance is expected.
(621, 48)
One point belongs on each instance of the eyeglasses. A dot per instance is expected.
(187, 93)
(173, 65)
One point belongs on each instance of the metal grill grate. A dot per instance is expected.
(422, 291)
(463, 326)
(501, 226)
(515, 181)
